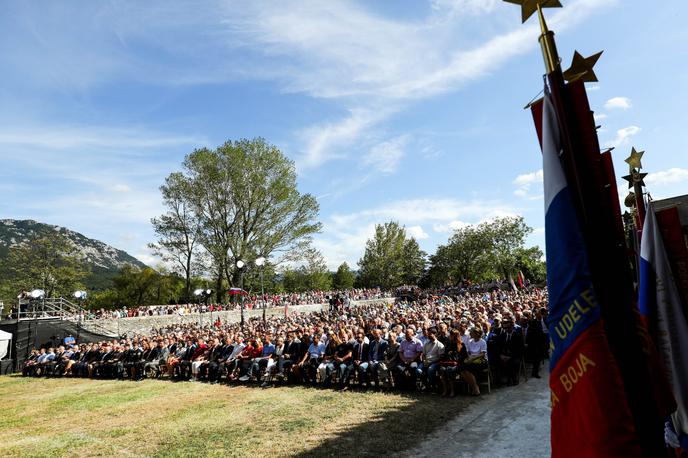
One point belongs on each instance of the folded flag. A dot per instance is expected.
(660, 303)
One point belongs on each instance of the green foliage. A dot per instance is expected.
(245, 198)
(391, 259)
(312, 275)
(494, 249)
(344, 278)
(135, 286)
(530, 262)
(47, 262)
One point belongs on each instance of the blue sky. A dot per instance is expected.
(405, 110)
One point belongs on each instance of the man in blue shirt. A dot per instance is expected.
(259, 364)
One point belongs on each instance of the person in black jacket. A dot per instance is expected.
(534, 342)
(131, 359)
(359, 362)
(511, 348)
(216, 366)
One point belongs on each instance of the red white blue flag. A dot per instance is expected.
(660, 303)
(590, 415)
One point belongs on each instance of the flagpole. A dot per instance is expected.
(609, 264)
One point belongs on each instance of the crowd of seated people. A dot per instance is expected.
(429, 344)
(250, 302)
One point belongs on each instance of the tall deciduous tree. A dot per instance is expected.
(178, 230)
(482, 252)
(344, 278)
(50, 263)
(390, 258)
(246, 199)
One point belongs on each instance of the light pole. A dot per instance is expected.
(241, 265)
(260, 262)
(203, 294)
(80, 296)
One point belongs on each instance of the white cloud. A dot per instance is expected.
(623, 136)
(417, 232)
(121, 188)
(70, 137)
(664, 177)
(385, 157)
(450, 227)
(600, 117)
(372, 65)
(524, 182)
(623, 103)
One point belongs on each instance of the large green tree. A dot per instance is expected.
(311, 275)
(246, 200)
(493, 249)
(344, 278)
(51, 263)
(391, 258)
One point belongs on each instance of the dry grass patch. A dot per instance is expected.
(76, 417)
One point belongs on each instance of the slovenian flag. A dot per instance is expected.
(590, 415)
(660, 303)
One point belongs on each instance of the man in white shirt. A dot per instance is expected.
(433, 350)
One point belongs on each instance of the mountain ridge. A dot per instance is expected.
(104, 260)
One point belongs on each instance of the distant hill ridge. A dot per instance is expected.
(103, 260)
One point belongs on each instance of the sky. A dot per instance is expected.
(405, 110)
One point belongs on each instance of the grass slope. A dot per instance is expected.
(77, 417)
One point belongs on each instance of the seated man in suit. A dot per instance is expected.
(157, 358)
(377, 348)
(131, 359)
(360, 361)
(31, 364)
(511, 348)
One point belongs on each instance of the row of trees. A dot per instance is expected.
(484, 252)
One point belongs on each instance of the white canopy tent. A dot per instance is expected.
(5, 340)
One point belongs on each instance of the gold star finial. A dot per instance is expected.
(634, 159)
(528, 7)
(635, 177)
(582, 68)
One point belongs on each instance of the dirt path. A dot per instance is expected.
(510, 422)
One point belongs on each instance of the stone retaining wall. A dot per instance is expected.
(143, 324)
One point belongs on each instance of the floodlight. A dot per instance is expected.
(240, 264)
(208, 292)
(37, 294)
(260, 261)
(80, 294)
(198, 292)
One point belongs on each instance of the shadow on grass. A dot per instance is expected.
(392, 430)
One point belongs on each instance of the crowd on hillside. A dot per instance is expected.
(430, 343)
(251, 301)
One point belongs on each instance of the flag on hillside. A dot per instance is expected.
(660, 303)
(590, 414)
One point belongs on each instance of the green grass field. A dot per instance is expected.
(77, 417)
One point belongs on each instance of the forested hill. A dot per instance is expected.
(103, 260)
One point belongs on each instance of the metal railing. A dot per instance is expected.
(61, 308)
